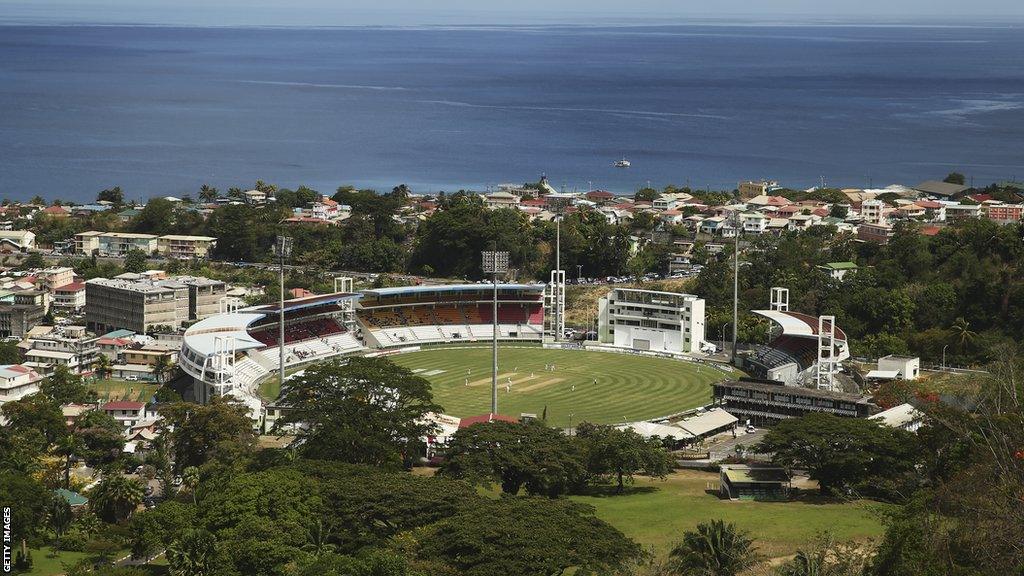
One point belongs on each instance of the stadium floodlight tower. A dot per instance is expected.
(283, 250)
(348, 306)
(494, 263)
(828, 363)
(556, 298)
(223, 364)
(780, 299)
(228, 305)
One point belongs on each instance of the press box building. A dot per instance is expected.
(651, 320)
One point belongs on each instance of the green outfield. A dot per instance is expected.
(598, 387)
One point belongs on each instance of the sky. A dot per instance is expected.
(432, 12)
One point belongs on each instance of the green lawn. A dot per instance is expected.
(43, 565)
(109, 389)
(628, 387)
(656, 513)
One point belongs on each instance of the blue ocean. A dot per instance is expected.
(161, 110)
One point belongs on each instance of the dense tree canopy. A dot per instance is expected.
(358, 410)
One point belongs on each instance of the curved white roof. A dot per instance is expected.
(201, 335)
(796, 324)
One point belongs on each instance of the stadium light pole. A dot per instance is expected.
(283, 248)
(495, 263)
(558, 274)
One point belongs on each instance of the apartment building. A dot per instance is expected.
(50, 279)
(18, 240)
(16, 382)
(21, 315)
(752, 188)
(872, 211)
(118, 244)
(1005, 213)
(70, 297)
(70, 346)
(141, 304)
(879, 233)
(651, 320)
(185, 247)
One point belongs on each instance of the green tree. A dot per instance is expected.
(193, 553)
(64, 387)
(840, 453)
(102, 367)
(362, 410)
(645, 195)
(157, 528)
(827, 557)
(100, 437)
(113, 195)
(516, 536)
(515, 455)
(208, 193)
(162, 367)
(955, 178)
(201, 431)
(135, 261)
(157, 217)
(714, 549)
(116, 497)
(620, 454)
(28, 500)
(58, 517)
(36, 413)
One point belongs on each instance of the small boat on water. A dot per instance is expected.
(622, 163)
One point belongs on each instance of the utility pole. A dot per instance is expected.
(495, 263)
(283, 248)
(735, 284)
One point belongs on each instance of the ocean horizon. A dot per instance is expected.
(161, 110)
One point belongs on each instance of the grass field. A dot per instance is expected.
(656, 513)
(122, 390)
(628, 387)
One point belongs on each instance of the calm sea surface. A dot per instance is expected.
(163, 110)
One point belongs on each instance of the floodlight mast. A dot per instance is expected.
(494, 263)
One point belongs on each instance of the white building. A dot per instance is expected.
(905, 367)
(650, 320)
(871, 211)
(754, 223)
(904, 417)
(16, 382)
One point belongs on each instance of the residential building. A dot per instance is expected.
(955, 212)
(651, 320)
(501, 200)
(754, 223)
(204, 295)
(51, 278)
(70, 346)
(766, 403)
(114, 244)
(879, 233)
(69, 297)
(873, 211)
(255, 197)
(18, 240)
(838, 270)
(20, 316)
(1005, 213)
(149, 356)
(16, 382)
(126, 413)
(185, 247)
(751, 188)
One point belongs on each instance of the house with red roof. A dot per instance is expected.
(599, 196)
(55, 212)
(126, 412)
(69, 297)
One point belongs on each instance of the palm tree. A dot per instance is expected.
(162, 367)
(714, 549)
(208, 193)
(190, 480)
(59, 517)
(116, 497)
(318, 538)
(103, 368)
(192, 554)
(962, 333)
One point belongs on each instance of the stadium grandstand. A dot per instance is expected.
(802, 349)
(230, 353)
(412, 315)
